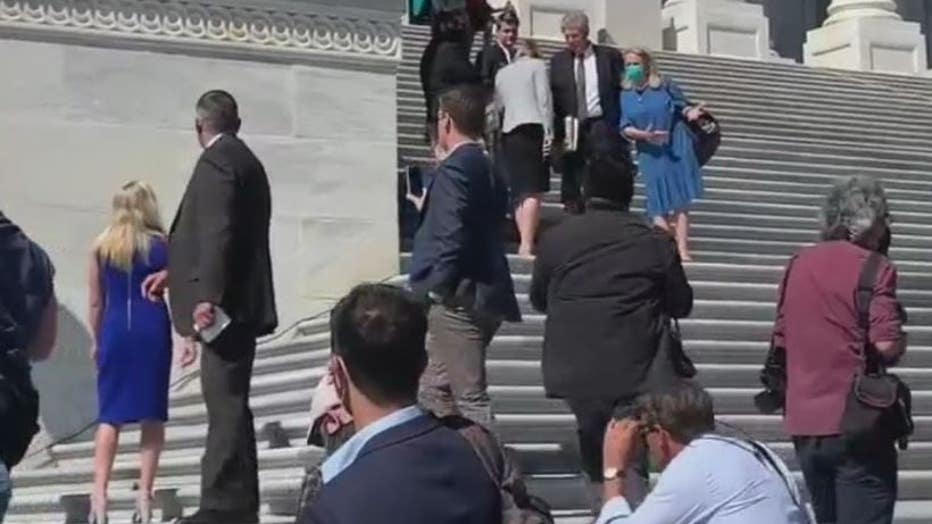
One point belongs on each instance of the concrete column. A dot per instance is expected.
(867, 35)
(717, 27)
(625, 23)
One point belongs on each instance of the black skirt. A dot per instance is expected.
(523, 155)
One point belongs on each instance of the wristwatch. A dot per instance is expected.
(612, 474)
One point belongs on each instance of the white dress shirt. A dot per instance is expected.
(591, 66)
(346, 455)
(216, 138)
(716, 480)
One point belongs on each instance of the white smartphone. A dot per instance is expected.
(221, 321)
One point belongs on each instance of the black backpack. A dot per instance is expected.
(19, 407)
(25, 291)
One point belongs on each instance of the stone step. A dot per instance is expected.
(704, 351)
(815, 80)
(560, 428)
(736, 101)
(414, 147)
(910, 277)
(411, 133)
(531, 399)
(830, 141)
(127, 468)
(746, 310)
(741, 291)
(834, 93)
(123, 497)
(747, 376)
(711, 329)
(837, 167)
(729, 114)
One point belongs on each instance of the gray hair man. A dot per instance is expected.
(826, 326)
(586, 83)
(707, 478)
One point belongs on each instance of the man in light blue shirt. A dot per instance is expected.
(707, 479)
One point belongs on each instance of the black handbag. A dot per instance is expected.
(879, 405)
(670, 363)
(19, 407)
(708, 136)
(773, 375)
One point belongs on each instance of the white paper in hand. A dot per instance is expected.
(221, 321)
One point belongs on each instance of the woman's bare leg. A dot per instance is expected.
(682, 235)
(153, 440)
(527, 216)
(105, 448)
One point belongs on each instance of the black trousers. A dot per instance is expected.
(229, 468)
(595, 135)
(849, 483)
(592, 417)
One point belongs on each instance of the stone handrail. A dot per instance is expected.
(285, 27)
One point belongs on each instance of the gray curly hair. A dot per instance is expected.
(853, 207)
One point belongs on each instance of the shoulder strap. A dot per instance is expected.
(765, 457)
(865, 293)
(485, 446)
(786, 279)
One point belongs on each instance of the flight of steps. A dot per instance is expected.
(789, 131)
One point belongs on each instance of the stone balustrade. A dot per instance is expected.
(283, 27)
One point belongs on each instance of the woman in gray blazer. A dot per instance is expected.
(522, 93)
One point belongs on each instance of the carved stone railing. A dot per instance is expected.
(256, 27)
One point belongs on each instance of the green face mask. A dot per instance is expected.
(634, 73)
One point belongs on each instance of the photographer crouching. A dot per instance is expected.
(707, 478)
(28, 328)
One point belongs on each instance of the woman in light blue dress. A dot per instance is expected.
(654, 115)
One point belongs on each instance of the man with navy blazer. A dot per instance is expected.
(403, 466)
(459, 263)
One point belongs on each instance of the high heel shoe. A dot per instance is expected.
(98, 513)
(98, 518)
(143, 513)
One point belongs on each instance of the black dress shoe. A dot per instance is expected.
(210, 516)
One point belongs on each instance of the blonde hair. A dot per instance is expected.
(651, 71)
(134, 222)
(530, 48)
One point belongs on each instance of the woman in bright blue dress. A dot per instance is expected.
(132, 341)
(655, 115)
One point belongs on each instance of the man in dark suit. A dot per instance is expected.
(502, 51)
(459, 262)
(586, 83)
(219, 265)
(606, 280)
(403, 466)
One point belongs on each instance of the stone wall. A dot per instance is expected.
(81, 112)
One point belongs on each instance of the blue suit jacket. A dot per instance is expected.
(458, 252)
(420, 472)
